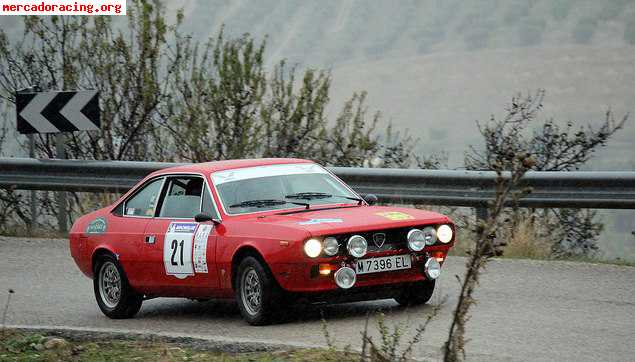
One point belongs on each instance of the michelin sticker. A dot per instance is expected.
(200, 248)
(97, 226)
(395, 215)
(177, 249)
(320, 221)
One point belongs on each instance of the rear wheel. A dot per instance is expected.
(417, 293)
(256, 292)
(114, 296)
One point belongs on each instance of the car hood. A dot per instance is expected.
(347, 219)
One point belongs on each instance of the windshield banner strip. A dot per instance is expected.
(222, 177)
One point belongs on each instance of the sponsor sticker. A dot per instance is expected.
(395, 215)
(320, 221)
(182, 227)
(97, 226)
(200, 248)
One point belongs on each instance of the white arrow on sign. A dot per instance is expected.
(32, 113)
(72, 111)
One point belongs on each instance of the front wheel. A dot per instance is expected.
(115, 297)
(417, 293)
(256, 292)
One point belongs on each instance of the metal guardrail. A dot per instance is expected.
(74, 175)
(579, 189)
(576, 189)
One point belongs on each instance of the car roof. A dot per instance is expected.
(209, 167)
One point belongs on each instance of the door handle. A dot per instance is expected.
(150, 239)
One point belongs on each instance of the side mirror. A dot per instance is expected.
(370, 199)
(203, 217)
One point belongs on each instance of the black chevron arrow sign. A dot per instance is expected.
(53, 112)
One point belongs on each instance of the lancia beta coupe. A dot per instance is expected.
(261, 231)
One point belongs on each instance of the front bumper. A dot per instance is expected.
(305, 277)
(355, 294)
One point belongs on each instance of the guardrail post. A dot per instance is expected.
(33, 194)
(60, 196)
(481, 217)
(481, 213)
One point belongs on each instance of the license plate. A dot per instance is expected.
(386, 263)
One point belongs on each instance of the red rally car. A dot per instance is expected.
(261, 231)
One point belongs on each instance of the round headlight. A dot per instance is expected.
(313, 248)
(416, 240)
(345, 277)
(331, 246)
(432, 269)
(357, 246)
(430, 235)
(444, 233)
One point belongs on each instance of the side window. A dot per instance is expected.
(208, 204)
(182, 198)
(144, 202)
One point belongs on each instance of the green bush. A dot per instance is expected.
(477, 38)
(476, 31)
(517, 11)
(584, 30)
(629, 31)
(560, 9)
(429, 37)
(530, 32)
(612, 9)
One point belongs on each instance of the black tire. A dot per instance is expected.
(128, 302)
(417, 293)
(264, 312)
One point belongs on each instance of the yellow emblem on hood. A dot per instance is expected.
(395, 215)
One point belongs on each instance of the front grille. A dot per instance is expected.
(395, 239)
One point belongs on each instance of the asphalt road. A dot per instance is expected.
(526, 311)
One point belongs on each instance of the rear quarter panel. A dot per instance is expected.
(81, 243)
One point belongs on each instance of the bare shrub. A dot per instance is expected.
(554, 147)
(510, 168)
(390, 346)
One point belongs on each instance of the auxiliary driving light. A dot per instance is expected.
(345, 277)
(357, 246)
(444, 233)
(430, 235)
(432, 269)
(313, 248)
(416, 240)
(331, 246)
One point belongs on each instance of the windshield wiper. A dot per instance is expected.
(320, 195)
(267, 202)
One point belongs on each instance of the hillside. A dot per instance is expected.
(439, 96)
(327, 32)
(433, 66)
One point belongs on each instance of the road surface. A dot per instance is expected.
(527, 310)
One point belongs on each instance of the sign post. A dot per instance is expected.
(33, 196)
(56, 112)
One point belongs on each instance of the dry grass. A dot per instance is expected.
(523, 243)
(527, 243)
(464, 242)
(26, 346)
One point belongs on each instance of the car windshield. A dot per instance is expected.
(279, 187)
